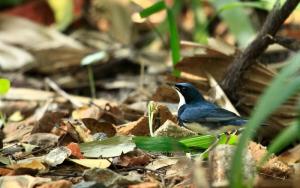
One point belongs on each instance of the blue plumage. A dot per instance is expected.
(195, 113)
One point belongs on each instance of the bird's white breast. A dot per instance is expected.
(181, 99)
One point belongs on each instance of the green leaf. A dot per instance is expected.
(160, 5)
(4, 86)
(203, 142)
(110, 147)
(273, 97)
(159, 144)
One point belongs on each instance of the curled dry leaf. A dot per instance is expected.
(134, 158)
(83, 132)
(34, 164)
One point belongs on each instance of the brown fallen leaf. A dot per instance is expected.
(137, 128)
(75, 150)
(87, 112)
(291, 156)
(18, 130)
(171, 129)
(99, 127)
(110, 178)
(34, 164)
(134, 158)
(48, 121)
(56, 184)
(162, 114)
(76, 129)
(42, 139)
(22, 181)
(92, 163)
(5, 171)
(274, 167)
(145, 185)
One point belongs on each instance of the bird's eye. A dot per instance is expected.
(183, 88)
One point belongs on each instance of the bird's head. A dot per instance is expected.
(188, 93)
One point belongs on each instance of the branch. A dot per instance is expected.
(244, 60)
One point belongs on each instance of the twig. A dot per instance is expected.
(61, 92)
(244, 60)
(289, 43)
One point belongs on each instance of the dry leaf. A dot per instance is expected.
(92, 163)
(109, 178)
(56, 184)
(34, 164)
(87, 112)
(99, 127)
(137, 128)
(22, 181)
(160, 163)
(134, 158)
(75, 150)
(291, 156)
(57, 156)
(171, 129)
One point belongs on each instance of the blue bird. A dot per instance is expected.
(201, 116)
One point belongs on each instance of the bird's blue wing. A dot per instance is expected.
(208, 115)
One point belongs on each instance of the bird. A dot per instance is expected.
(201, 116)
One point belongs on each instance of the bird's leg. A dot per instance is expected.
(228, 134)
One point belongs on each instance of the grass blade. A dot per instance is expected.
(160, 5)
(174, 39)
(289, 135)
